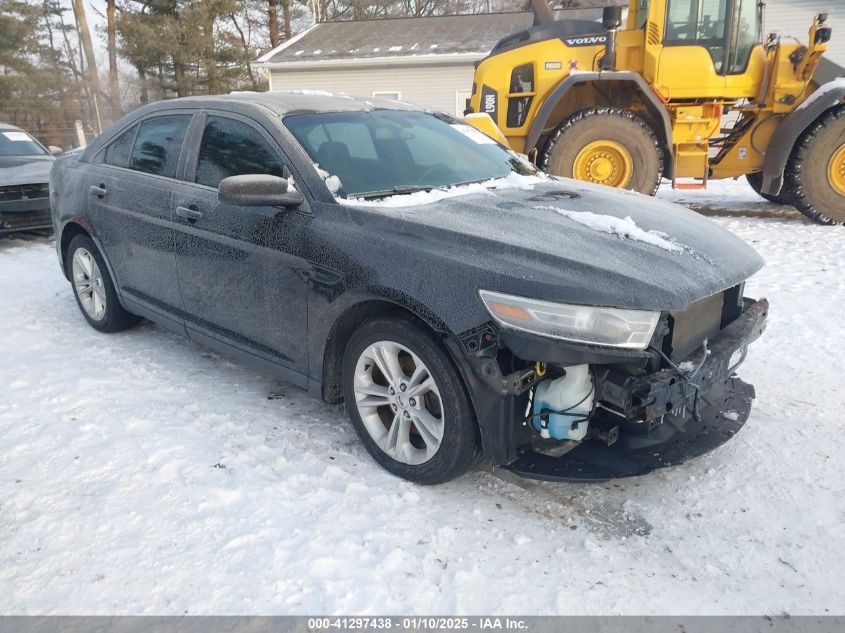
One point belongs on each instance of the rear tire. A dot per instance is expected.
(815, 173)
(94, 289)
(427, 435)
(609, 146)
(756, 181)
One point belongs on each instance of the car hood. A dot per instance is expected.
(24, 170)
(563, 240)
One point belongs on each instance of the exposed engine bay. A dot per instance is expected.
(583, 412)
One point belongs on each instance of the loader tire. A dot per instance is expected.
(609, 146)
(815, 173)
(756, 181)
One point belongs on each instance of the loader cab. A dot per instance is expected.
(702, 48)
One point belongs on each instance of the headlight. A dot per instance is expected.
(612, 327)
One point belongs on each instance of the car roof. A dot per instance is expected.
(279, 103)
(9, 126)
(295, 101)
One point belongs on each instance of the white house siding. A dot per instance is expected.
(431, 86)
(794, 17)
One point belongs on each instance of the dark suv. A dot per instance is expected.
(461, 304)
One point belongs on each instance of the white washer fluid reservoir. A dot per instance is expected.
(561, 406)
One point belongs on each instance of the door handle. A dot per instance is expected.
(98, 190)
(191, 213)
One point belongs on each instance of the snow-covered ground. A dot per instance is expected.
(141, 474)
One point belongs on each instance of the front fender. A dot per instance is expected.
(792, 127)
(538, 125)
(334, 319)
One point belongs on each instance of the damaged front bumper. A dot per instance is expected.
(642, 420)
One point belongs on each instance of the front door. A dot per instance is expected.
(129, 197)
(241, 270)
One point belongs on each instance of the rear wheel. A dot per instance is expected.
(94, 289)
(607, 146)
(407, 401)
(756, 181)
(815, 173)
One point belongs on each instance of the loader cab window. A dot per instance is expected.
(728, 29)
(641, 16)
(699, 23)
(746, 33)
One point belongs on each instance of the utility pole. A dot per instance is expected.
(88, 47)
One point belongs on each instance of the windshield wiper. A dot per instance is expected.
(398, 190)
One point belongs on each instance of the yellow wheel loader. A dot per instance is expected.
(688, 90)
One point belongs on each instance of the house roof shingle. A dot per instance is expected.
(409, 37)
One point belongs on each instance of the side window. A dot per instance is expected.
(117, 153)
(701, 23)
(231, 148)
(156, 149)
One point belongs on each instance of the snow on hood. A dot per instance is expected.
(496, 238)
(511, 181)
(623, 227)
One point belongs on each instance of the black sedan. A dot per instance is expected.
(461, 304)
(24, 176)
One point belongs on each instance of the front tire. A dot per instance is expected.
(607, 146)
(408, 402)
(94, 289)
(815, 173)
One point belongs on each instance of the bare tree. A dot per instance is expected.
(273, 17)
(247, 51)
(114, 86)
(286, 17)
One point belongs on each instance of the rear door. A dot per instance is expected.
(242, 272)
(130, 191)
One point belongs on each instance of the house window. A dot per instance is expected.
(388, 94)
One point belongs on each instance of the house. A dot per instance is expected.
(429, 61)
(794, 17)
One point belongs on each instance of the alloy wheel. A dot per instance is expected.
(88, 284)
(399, 402)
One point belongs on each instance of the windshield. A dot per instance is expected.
(18, 143)
(384, 152)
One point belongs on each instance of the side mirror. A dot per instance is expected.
(823, 35)
(56, 151)
(257, 190)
